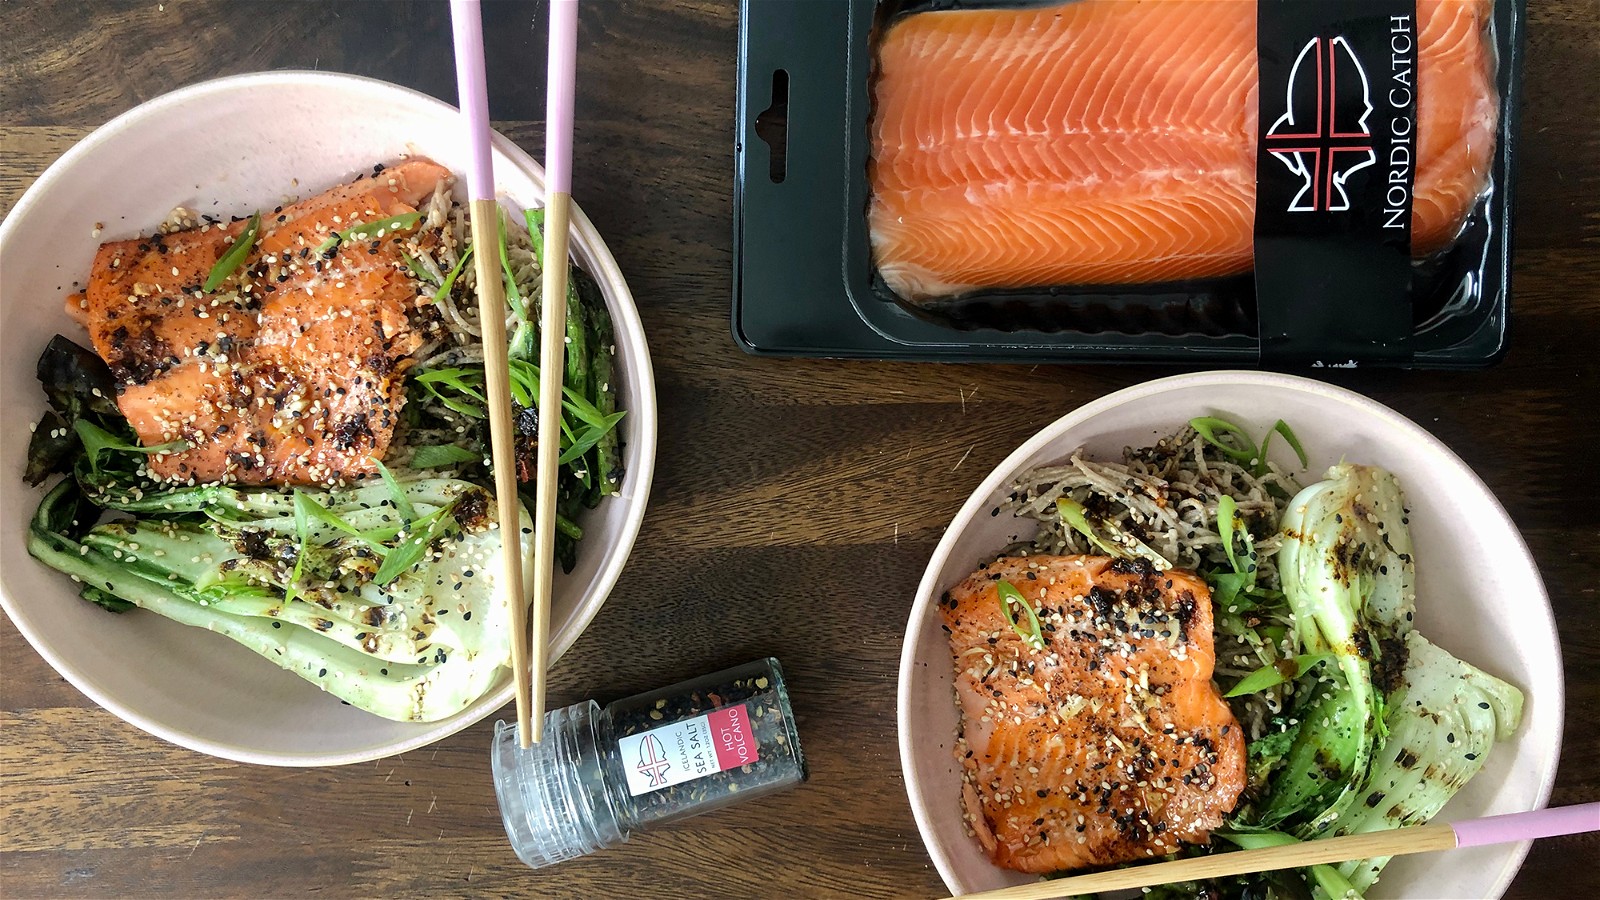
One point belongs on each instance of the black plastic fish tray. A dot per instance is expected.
(804, 282)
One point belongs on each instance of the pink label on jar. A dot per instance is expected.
(688, 749)
(731, 737)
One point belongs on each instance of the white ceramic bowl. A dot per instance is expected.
(229, 146)
(1496, 617)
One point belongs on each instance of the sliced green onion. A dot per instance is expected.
(1032, 633)
(397, 494)
(230, 261)
(1076, 517)
(1274, 633)
(513, 295)
(362, 231)
(1228, 526)
(302, 532)
(1210, 428)
(373, 539)
(590, 436)
(535, 220)
(409, 552)
(1121, 545)
(1281, 427)
(456, 379)
(1227, 512)
(417, 268)
(450, 277)
(1283, 670)
(378, 228)
(437, 456)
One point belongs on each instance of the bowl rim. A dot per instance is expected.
(625, 313)
(928, 586)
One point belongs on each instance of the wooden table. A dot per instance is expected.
(795, 502)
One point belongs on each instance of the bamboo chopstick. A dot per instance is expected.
(467, 25)
(1416, 839)
(559, 83)
(1396, 842)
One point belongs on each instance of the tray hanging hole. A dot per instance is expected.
(772, 126)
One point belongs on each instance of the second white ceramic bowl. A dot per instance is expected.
(1479, 596)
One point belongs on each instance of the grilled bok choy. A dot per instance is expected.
(343, 588)
(1348, 575)
(1442, 723)
(1400, 725)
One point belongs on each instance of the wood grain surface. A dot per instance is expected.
(795, 503)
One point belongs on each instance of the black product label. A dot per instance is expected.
(1335, 155)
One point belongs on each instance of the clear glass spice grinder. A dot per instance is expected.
(602, 773)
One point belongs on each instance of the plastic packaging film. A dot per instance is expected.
(1318, 182)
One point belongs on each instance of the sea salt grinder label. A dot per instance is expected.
(689, 749)
(730, 735)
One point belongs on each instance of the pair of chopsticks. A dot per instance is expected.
(1523, 826)
(529, 640)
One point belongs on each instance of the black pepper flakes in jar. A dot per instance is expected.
(601, 774)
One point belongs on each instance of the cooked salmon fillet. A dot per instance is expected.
(291, 372)
(1112, 142)
(1111, 743)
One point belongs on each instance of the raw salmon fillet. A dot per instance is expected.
(292, 371)
(1111, 142)
(1110, 744)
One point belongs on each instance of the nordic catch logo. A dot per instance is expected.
(653, 760)
(1316, 138)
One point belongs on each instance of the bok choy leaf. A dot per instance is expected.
(1446, 719)
(301, 588)
(1347, 574)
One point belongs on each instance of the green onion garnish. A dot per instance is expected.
(450, 277)
(1228, 526)
(362, 231)
(373, 539)
(397, 494)
(1032, 634)
(381, 227)
(590, 436)
(513, 295)
(417, 268)
(535, 220)
(1210, 428)
(1227, 512)
(408, 552)
(438, 456)
(1277, 673)
(302, 532)
(1282, 428)
(230, 261)
(1076, 517)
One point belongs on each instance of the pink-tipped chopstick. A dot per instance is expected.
(1523, 826)
(560, 82)
(467, 24)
